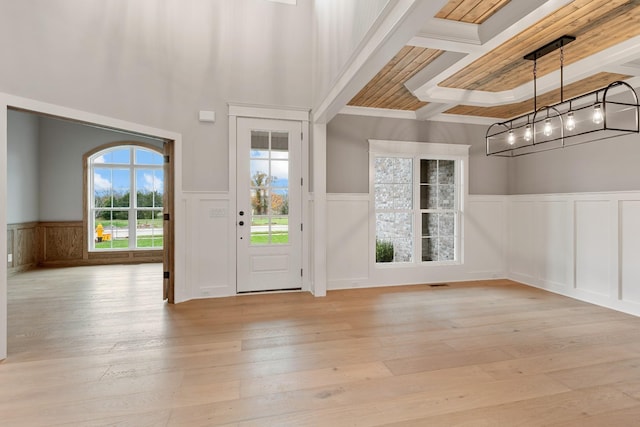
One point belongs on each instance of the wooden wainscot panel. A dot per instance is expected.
(124, 257)
(22, 245)
(62, 244)
(61, 241)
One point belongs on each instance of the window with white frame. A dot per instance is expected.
(125, 195)
(417, 194)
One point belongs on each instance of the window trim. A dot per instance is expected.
(86, 196)
(416, 151)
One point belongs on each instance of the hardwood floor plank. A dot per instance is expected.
(312, 379)
(620, 418)
(149, 419)
(599, 374)
(414, 406)
(435, 361)
(559, 361)
(540, 411)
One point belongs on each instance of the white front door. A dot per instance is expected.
(269, 195)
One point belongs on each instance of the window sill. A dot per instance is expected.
(421, 264)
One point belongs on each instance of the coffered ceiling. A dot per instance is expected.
(468, 61)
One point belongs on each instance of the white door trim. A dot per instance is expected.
(237, 110)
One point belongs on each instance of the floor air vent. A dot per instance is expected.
(438, 285)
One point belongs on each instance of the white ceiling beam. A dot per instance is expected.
(378, 112)
(470, 120)
(444, 34)
(432, 109)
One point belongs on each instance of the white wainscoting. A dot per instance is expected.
(210, 261)
(350, 255)
(347, 240)
(585, 246)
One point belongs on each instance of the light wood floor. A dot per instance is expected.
(97, 346)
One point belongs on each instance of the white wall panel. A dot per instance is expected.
(583, 245)
(209, 257)
(630, 250)
(593, 246)
(348, 239)
(553, 242)
(522, 238)
(485, 235)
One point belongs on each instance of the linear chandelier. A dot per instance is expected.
(604, 113)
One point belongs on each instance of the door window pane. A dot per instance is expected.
(279, 173)
(279, 229)
(279, 145)
(269, 193)
(280, 202)
(260, 230)
(259, 144)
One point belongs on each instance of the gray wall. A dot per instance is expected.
(22, 168)
(158, 63)
(608, 165)
(62, 145)
(348, 151)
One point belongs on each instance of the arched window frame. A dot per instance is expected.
(132, 209)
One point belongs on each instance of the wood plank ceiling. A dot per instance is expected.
(387, 90)
(596, 24)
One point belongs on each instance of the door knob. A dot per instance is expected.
(241, 213)
(241, 223)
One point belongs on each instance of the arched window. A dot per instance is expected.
(125, 192)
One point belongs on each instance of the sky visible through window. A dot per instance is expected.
(119, 180)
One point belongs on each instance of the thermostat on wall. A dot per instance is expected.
(208, 116)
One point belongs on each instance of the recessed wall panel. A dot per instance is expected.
(593, 246)
(630, 250)
(553, 242)
(522, 238)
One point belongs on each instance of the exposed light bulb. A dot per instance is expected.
(597, 114)
(547, 130)
(571, 121)
(511, 138)
(527, 133)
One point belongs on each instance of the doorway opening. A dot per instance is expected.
(46, 200)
